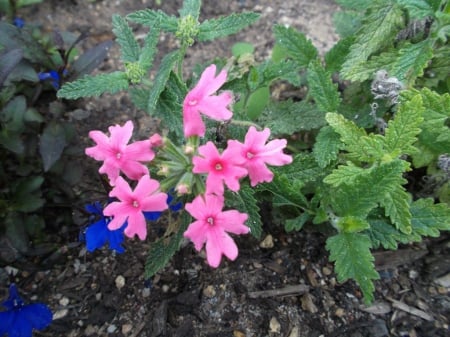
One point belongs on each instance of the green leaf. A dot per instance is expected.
(428, 219)
(8, 61)
(162, 250)
(159, 83)
(224, 26)
(355, 5)
(396, 205)
(321, 88)
(335, 57)
(22, 3)
(266, 72)
(191, 7)
(289, 117)
(403, 129)
(297, 223)
(27, 194)
(378, 30)
(345, 174)
(327, 146)
(383, 234)
(242, 48)
(151, 18)
(352, 224)
(347, 23)
(285, 192)
(256, 102)
(303, 169)
(298, 47)
(129, 47)
(417, 9)
(411, 61)
(89, 86)
(149, 49)
(244, 201)
(52, 144)
(353, 260)
(90, 59)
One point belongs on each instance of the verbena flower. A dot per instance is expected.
(257, 154)
(212, 227)
(51, 75)
(221, 168)
(98, 233)
(201, 100)
(20, 319)
(18, 22)
(117, 155)
(131, 205)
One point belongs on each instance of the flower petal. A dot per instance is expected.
(196, 232)
(136, 225)
(120, 135)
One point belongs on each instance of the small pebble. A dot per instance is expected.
(111, 329)
(165, 288)
(267, 242)
(339, 312)
(209, 291)
(146, 292)
(60, 314)
(274, 325)
(126, 328)
(64, 301)
(120, 282)
(326, 271)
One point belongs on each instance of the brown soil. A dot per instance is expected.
(284, 287)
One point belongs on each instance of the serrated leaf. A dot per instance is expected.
(89, 86)
(327, 146)
(403, 129)
(162, 250)
(90, 59)
(428, 218)
(153, 18)
(379, 29)
(353, 260)
(346, 23)
(285, 192)
(335, 57)
(383, 234)
(356, 5)
(245, 201)
(149, 49)
(52, 143)
(224, 26)
(129, 47)
(396, 205)
(289, 117)
(345, 174)
(297, 223)
(268, 71)
(298, 47)
(159, 83)
(417, 9)
(321, 88)
(352, 224)
(191, 7)
(412, 59)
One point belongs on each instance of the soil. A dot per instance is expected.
(281, 285)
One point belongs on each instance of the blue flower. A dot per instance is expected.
(20, 319)
(153, 216)
(51, 75)
(18, 22)
(98, 233)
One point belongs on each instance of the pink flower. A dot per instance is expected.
(257, 154)
(117, 155)
(212, 226)
(200, 100)
(132, 204)
(221, 168)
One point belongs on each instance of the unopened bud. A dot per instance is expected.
(156, 140)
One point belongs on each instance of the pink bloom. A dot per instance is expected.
(117, 155)
(200, 100)
(221, 168)
(212, 226)
(132, 204)
(257, 154)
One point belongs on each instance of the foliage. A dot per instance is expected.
(36, 175)
(374, 113)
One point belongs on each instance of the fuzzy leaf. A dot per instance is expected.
(297, 223)
(303, 169)
(191, 7)
(160, 80)
(417, 9)
(297, 46)
(335, 57)
(327, 146)
(403, 129)
(321, 88)
(224, 26)
(396, 205)
(352, 224)
(383, 234)
(345, 174)
(149, 49)
(151, 18)
(379, 28)
(428, 219)
(355, 5)
(289, 117)
(353, 260)
(245, 201)
(129, 47)
(162, 250)
(347, 23)
(89, 86)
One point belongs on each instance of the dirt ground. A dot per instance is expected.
(283, 286)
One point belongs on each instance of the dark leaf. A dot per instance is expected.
(52, 143)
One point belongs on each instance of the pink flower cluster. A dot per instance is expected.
(222, 168)
(118, 156)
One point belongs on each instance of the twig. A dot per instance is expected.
(411, 310)
(293, 290)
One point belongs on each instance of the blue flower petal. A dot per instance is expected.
(152, 216)
(96, 236)
(18, 22)
(6, 320)
(38, 314)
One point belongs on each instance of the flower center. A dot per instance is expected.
(135, 203)
(192, 102)
(210, 221)
(250, 155)
(118, 155)
(218, 167)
